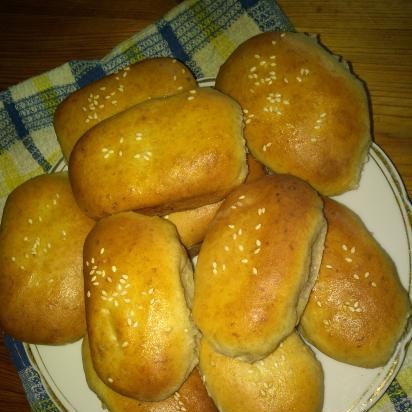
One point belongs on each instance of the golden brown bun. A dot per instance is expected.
(358, 308)
(112, 94)
(306, 114)
(192, 224)
(257, 264)
(191, 396)
(41, 280)
(138, 283)
(289, 379)
(163, 155)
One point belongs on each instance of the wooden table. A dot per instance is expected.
(375, 36)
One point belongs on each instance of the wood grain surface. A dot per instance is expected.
(375, 36)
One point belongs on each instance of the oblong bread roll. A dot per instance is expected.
(41, 249)
(138, 283)
(358, 309)
(112, 94)
(306, 113)
(191, 396)
(289, 379)
(257, 264)
(167, 154)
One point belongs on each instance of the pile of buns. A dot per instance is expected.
(236, 176)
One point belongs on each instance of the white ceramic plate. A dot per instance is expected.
(382, 203)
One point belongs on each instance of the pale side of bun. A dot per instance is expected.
(306, 113)
(112, 94)
(138, 285)
(191, 396)
(257, 264)
(167, 154)
(358, 309)
(41, 279)
(192, 224)
(289, 379)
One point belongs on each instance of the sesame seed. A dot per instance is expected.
(344, 247)
(256, 251)
(226, 248)
(274, 42)
(353, 250)
(348, 259)
(356, 276)
(329, 267)
(88, 294)
(319, 303)
(102, 250)
(254, 271)
(366, 274)
(234, 236)
(258, 226)
(125, 344)
(231, 226)
(299, 79)
(373, 284)
(244, 261)
(193, 91)
(114, 268)
(30, 221)
(258, 243)
(13, 258)
(190, 98)
(110, 380)
(241, 248)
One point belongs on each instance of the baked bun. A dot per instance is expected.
(306, 113)
(358, 309)
(112, 94)
(192, 224)
(289, 379)
(191, 396)
(41, 280)
(257, 264)
(163, 155)
(138, 283)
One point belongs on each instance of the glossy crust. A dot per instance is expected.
(41, 280)
(358, 308)
(191, 396)
(257, 264)
(138, 284)
(112, 94)
(289, 379)
(306, 114)
(163, 155)
(192, 224)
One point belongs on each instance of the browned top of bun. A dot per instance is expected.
(257, 263)
(192, 224)
(41, 242)
(358, 308)
(112, 94)
(288, 379)
(138, 284)
(163, 155)
(306, 114)
(191, 396)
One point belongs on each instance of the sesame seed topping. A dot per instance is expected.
(299, 79)
(110, 380)
(244, 260)
(88, 294)
(373, 284)
(353, 249)
(356, 276)
(30, 221)
(348, 259)
(125, 344)
(114, 268)
(190, 98)
(366, 275)
(256, 251)
(254, 271)
(258, 226)
(226, 248)
(102, 250)
(274, 42)
(329, 267)
(319, 303)
(241, 248)
(344, 247)
(261, 211)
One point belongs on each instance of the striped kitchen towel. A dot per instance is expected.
(201, 34)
